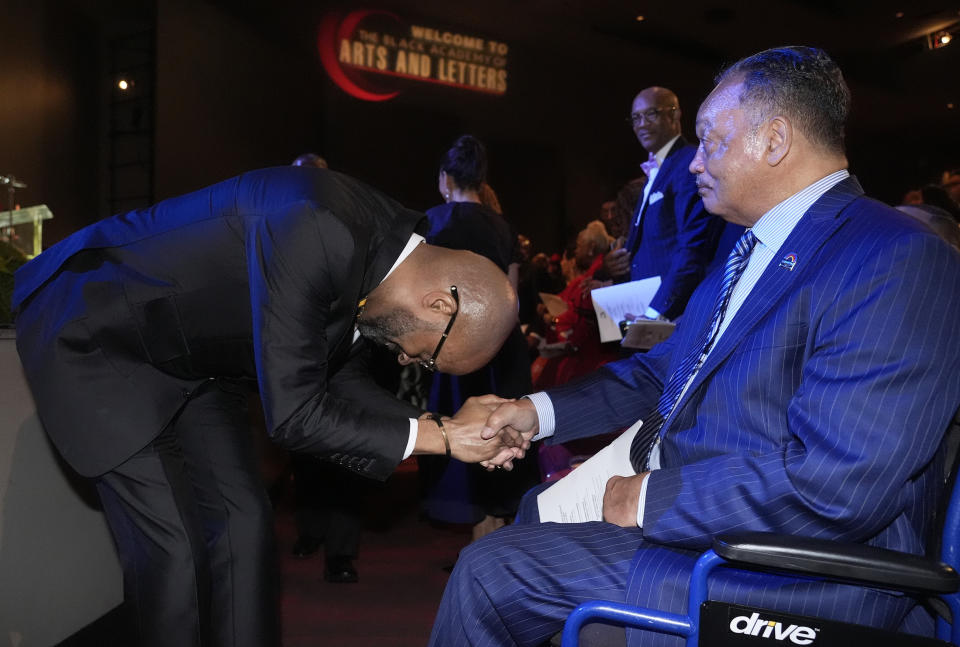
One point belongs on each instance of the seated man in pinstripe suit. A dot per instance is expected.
(805, 391)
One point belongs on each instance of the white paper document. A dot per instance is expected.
(555, 305)
(613, 303)
(578, 496)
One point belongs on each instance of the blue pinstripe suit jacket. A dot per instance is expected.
(820, 411)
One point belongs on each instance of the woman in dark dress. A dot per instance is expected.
(459, 493)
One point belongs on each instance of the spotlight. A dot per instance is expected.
(939, 39)
(124, 84)
(641, 18)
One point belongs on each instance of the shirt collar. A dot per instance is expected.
(415, 239)
(662, 153)
(775, 225)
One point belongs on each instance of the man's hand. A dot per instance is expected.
(621, 500)
(518, 415)
(469, 444)
(617, 262)
(511, 417)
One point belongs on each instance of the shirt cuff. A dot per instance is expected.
(642, 500)
(544, 406)
(412, 440)
(650, 313)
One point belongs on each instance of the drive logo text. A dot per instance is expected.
(755, 626)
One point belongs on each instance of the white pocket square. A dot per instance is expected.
(655, 197)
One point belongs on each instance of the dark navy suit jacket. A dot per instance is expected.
(820, 412)
(676, 237)
(257, 278)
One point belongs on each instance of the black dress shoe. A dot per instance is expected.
(340, 570)
(305, 546)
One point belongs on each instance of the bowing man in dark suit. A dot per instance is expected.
(805, 391)
(671, 235)
(139, 333)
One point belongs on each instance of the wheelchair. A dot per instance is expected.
(933, 580)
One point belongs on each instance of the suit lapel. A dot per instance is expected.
(374, 257)
(658, 183)
(666, 169)
(667, 165)
(342, 317)
(810, 233)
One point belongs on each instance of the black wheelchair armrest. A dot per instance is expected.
(867, 565)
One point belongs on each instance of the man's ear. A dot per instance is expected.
(778, 139)
(439, 301)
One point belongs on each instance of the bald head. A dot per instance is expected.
(310, 159)
(659, 96)
(409, 311)
(655, 115)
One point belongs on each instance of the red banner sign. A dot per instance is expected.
(358, 47)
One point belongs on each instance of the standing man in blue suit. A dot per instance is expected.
(805, 391)
(671, 235)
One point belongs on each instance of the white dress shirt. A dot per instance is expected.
(660, 155)
(652, 175)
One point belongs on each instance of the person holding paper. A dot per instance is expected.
(805, 391)
(671, 235)
(576, 326)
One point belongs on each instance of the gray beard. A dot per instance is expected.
(385, 328)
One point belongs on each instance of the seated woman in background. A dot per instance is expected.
(577, 326)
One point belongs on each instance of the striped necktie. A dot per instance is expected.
(645, 439)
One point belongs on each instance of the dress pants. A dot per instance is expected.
(517, 585)
(329, 504)
(193, 526)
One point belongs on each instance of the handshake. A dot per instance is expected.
(488, 429)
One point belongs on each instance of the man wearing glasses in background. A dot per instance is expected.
(140, 336)
(671, 235)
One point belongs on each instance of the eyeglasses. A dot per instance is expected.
(431, 364)
(651, 116)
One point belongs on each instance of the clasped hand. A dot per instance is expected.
(495, 431)
(472, 440)
(510, 417)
